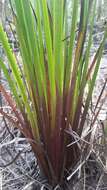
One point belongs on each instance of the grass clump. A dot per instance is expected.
(49, 101)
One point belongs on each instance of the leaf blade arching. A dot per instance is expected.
(99, 56)
(16, 74)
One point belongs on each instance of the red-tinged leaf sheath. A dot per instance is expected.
(69, 107)
(57, 138)
(100, 96)
(9, 117)
(25, 129)
(80, 99)
(93, 63)
(72, 152)
(42, 160)
(12, 104)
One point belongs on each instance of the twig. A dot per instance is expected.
(16, 157)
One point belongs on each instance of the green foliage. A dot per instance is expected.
(57, 70)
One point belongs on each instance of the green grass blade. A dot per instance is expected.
(12, 85)
(92, 84)
(72, 42)
(17, 75)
